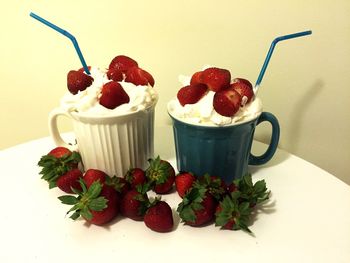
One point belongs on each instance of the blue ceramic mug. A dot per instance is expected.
(222, 151)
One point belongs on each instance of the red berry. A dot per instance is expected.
(69, 180)
(227, 102)
(205, 214)
(92, 175)
(122, 63)
(183, 182)
(244, 88)
(78, 81)
(135, 177)
(162, 174)
(159, 217)
(216, 78)
(115, 74)
(196, 78)
(133, 205)
(83, 70)
(59, 152)
(191, 94)
(112, 209)
(139, 76)
(113, 95)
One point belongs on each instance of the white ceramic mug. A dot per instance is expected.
(112, 144)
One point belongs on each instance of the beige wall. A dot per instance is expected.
(306, 85)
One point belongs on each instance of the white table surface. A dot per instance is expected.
(306, 220)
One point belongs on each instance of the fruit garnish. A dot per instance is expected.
(191, 94)
(216, 78)
(197, 207)
(159, 217)
(83, 70)
(78, 81)
(113, 95)
(183, 182)
(196, 78)
(97, 204)
(227, 102)
(161, 175)
(244, 88)
(115, 74)
(56, 163)
(122, 63)
(139, 76)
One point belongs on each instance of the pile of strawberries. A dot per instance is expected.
(229, 96)
(99, 198)
(121, 68)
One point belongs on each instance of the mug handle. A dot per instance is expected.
(271, 149)
(53, 129)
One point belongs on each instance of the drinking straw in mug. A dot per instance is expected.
(67, 34)
(269, 54)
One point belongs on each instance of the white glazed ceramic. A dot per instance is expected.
(112, 144)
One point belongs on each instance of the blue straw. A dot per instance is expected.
(272, 47)
(67, 34)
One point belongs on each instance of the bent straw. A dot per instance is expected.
(269, 54)
(67, 34)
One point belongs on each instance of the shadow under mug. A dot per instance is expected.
(223, 151)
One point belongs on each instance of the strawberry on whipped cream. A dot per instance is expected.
(203, 112)
(87, 101)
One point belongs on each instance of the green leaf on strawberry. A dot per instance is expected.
(87, 200)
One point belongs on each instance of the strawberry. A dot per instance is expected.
(191, 94)
(92, 175)
(216, 78)
(135, 203)
(69, 180)
(135, 177)
(97, 204)
(214, 185)
(197, 207)
(159, 217)
(183, 182)
(78, 81)
(227, 102)
(56, 163)
(59, 152)
(115, 74)
(122, 63)
(83, 70)
(119, 184)
(232, 215)
(113, 95)
(138, 76)
(196, 78)
(244, 88)
(161, 174)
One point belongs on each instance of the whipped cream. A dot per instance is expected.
(203, 112)
(87, 101)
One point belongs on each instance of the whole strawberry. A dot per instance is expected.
(93, 175)
(197, 207)
(135, 203)
(161, 174)
(119, 184)
(56, 163)
(233, 215)
(159, 217)
(183, 182)
(69, 181)
(97, 204)
(214, 185)
(135, 177)
(78, 81)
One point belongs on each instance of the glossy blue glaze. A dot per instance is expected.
(221, 151)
